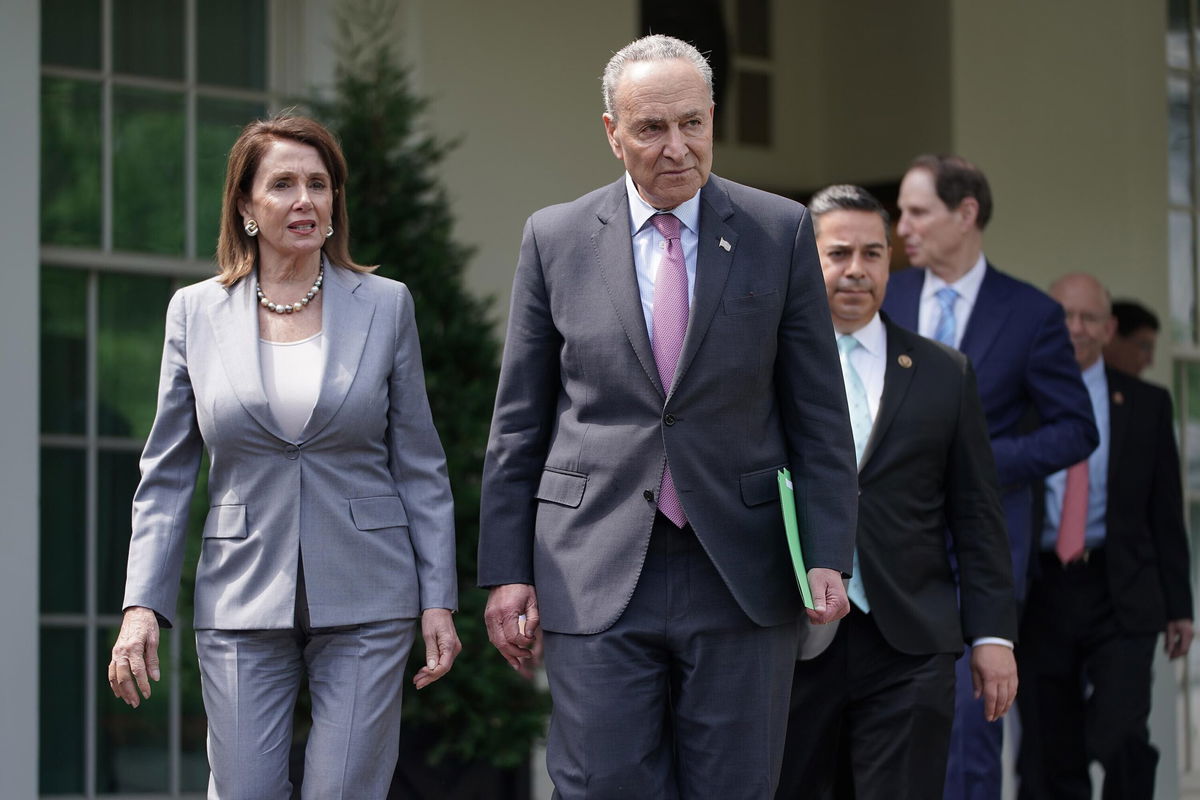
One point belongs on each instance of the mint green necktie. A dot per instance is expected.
(860, 424)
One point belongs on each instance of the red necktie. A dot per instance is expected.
(1073, 521)
(670, 324)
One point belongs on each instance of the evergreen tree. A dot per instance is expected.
(401, 220)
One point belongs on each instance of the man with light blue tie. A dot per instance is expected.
(872, 705)
(1039, 416)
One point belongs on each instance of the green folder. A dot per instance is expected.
(787, 499)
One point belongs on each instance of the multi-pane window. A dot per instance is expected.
(1183, 325)
(141, 100)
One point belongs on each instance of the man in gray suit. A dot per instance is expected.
(668, 352)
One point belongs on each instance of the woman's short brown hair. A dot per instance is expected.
(237, 251)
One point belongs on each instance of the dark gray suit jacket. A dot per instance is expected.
(583, 427)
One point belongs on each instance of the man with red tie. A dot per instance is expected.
(1112, 572)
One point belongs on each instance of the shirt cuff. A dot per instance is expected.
(992, 640)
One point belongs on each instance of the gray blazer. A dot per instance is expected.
(363, 490)
(583, 426)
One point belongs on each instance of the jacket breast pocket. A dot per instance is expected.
(225, 522)
(562, 487)
(751, 303)
(376, 513)
(761, 486)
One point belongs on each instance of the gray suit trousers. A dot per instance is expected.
(250, 680)
(683, 697)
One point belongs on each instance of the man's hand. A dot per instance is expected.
(441, 645)
(829, 596)
(1179, 638)
(135, 656)
(994, 676)
(511, 618)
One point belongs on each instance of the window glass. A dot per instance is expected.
(70, 168)
(1179, 141)
(1177, 33)
(1182, 281)
(1191, 432)
(63, 530)
(754, 107)
(117, 478)
(63, 350)
(193, 725)
(218, 124)
(71, 33)
(148, 38)
(754, 28)
(129, 351)
(148, 174)
(231, 43)
(132, 743)
(61, 696)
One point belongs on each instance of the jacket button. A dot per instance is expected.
(292, 452)
(669, 419)
(649, 495)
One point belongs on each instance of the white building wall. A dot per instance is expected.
(19, 398)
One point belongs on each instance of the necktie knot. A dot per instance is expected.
(847, 344)
(946, 297)
(666, 224)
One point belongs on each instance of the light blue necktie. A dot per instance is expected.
(860, 424)
(947, 327)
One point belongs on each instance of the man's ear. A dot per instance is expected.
(968, 211)
(610, 130)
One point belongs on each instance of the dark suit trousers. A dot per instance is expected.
(683, 697)
(867, 721)
(1070, 641)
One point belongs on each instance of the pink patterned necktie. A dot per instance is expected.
(670, 325)
(1073, 522)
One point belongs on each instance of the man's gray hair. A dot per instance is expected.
(651, 48)
(845, 197)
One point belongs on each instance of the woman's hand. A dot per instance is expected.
(441, 645)
(135, 656)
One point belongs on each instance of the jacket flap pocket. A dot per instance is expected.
(761, 486)
(225, 522)
(751, 303)
(562, 487)
(373, 513)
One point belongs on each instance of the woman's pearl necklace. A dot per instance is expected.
(291, 308)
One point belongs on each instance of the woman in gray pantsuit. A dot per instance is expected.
(330, 530)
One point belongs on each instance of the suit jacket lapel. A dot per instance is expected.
(713, 263)
(904, 298)
(345, 320)
(235, 327)
(988, 317)
(896, 380)
(1118, 424)
(613, 248)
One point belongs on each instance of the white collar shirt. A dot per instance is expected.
(649, 246)
(930, 310)
(869, 360)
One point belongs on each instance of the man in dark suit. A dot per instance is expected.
(1111, 573)
(1131, 348)
(667, 354)
(1017, 342)
(879, 699)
